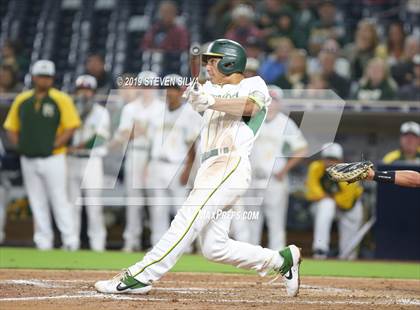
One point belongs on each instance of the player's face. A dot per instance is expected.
(85, 92)
(6, 78)
(42, 82)
(215, 75)
(409, 143)
(173, 97)
(327, 60)
(147, 94)
(376, 72)
(95, 65)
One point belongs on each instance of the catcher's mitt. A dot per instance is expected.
(349, 172)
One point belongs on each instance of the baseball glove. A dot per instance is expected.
(349, 172)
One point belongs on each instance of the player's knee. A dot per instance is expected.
(215, 251)
(207, 252)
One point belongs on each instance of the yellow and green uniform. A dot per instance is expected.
(397, 155)
(39, 121)
(318, 186)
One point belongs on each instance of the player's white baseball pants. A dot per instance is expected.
(45, 182)
(219, 183)
(273, 209)
(85, 181)
(135, 184)
(349, 223)
(239, 227)
(165, 195)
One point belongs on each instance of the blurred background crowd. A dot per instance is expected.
(366, 51)
(363, 50)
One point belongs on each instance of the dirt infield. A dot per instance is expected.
(52, 289)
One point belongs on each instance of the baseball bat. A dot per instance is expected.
(358, 237)
(195, 63)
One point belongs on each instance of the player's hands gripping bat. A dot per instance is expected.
(350, 172)
(199, 99)
(195, 67)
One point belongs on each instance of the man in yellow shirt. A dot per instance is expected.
(330, 200)
(409, 151)
(39, 123)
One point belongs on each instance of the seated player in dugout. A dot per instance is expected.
(233, 109)
(409, 150)
(332, 200)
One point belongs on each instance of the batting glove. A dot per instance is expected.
(190, 86)
(200, 100)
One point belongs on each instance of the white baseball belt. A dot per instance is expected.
(214, 152)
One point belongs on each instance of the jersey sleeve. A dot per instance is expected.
(69, 117)
(104, 126)
(314, 190)
(12, 121)
(126, 120)
(258, 92)
(348, 195)
(391, 157)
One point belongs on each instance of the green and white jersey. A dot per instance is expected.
(137, 116)
(97, 123)
(237, 133)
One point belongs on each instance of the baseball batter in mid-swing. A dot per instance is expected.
(233, 110)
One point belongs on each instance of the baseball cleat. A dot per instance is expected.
(123, 283)
(290, 269)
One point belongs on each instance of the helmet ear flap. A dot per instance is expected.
(227, 65)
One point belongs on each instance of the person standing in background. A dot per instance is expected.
(135, 121)
(279, 138)
(40, 123)
(166, 34)
(85, 162)
(376, 83)
(8, 80)
(411, 91)
(409, 151)
(172, 154)
(95, 66)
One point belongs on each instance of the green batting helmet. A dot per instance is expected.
(232, 54)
